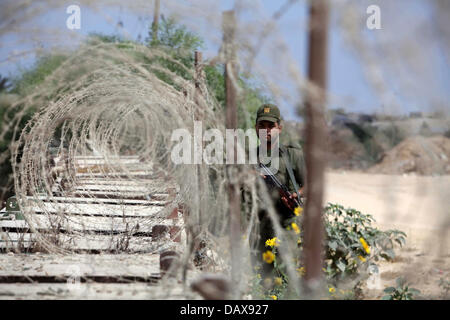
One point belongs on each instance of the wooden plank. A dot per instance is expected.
(129, 195)
(162, 189)
(93, 209)
(95, 291)
(113, 168)
(103, 161)
(121, 182)
(92, 156)
(89, 242)
(86, 264)
(83, 242)
(14, 237)
(134, 174)
(148, 177)
(52, 199)
(12, 240)
(85, 223)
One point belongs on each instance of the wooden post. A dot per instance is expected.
(197, 79)
(197, 62)
(315, 142)
(155, 22)
(195, 228)
(198, 117)
(229, 23)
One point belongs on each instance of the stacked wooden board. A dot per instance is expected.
(101, 211)
(113, 228)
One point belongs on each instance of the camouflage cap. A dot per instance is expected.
(268, 112)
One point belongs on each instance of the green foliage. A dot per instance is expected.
(216, 82)
(275, 285)
(179, 43)
(444, 284)
(45, 66)
(20, 87)
(175, 37)
(366, 135)
(273, 288)
(352, 245)
(351, 241)
(4, 84)
(252, 99)
(393, 135)
(94, 37)
(447, 133)
(402, 292)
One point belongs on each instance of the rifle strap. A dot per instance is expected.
(289, 168)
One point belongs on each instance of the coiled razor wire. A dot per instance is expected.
(112, 110)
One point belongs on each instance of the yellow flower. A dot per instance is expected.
(274, 297)
(295, 227)
(298, 211)
(332, 290)
(258, 276)
(365, 245)
(301, 271)
(278, 281)
(299, 241)
(268, 256)
(362, 258)
(273, 242)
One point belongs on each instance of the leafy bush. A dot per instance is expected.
(4, 84)
(447, 133)
(401, 292)
(180, 44)
(352, 241)
(28, 80)
(275, 285)
(352, 245)
(444, 284)
(392, 135)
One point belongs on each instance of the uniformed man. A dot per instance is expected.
(291, 173)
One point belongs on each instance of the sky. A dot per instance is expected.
(346, 78)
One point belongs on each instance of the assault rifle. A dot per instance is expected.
(284, 191)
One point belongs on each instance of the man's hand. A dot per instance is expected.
(287, 203)
(290, 204)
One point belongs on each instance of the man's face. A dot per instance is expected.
(272, 130)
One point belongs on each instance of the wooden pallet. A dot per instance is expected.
(99, 215)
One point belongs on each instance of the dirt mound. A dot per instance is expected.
(345, 151)
(421, 155)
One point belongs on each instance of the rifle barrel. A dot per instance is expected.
(278, 183)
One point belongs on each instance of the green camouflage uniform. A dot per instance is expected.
(294, 155)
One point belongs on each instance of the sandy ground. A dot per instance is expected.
(417, 205)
